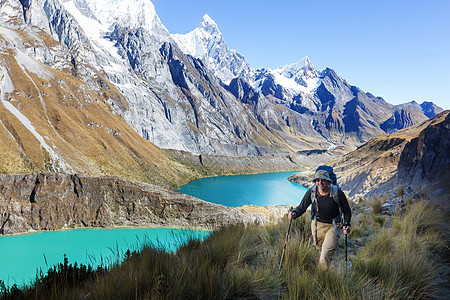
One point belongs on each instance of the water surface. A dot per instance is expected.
(259, 189)
(21, 256)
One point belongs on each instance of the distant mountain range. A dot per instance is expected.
(341, 113)
(79, 79)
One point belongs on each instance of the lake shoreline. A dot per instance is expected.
(108, 228)
(50, 201)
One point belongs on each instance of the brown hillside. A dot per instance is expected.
(65, 122)
(75, 121)
(372, 168)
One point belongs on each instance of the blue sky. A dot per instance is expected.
(399, 50)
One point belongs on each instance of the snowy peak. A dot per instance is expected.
(303, 68)
(128, 14)
(200, 42)
(207, 43)
(111, 11)
(299, 77)
(207, 24)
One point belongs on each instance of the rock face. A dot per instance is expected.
(430, 109)
(425, 160)
(50, 201)
(399, 120)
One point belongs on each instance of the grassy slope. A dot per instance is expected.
(399, 259)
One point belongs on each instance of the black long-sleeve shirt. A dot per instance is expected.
(328, 208)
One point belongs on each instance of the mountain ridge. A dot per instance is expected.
(59, 53)
(302, 88)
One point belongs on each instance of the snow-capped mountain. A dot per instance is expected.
(207, 43)
(295, 78)
(170, 99)
(302, 88)
(185, 92)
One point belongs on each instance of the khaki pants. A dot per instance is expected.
(326, 242)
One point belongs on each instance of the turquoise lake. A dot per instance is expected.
(22, 256)
(234, 191)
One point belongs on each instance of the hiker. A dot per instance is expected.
(325, 214)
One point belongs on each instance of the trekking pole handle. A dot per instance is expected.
(287, 234)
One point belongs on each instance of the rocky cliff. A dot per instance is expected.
(425, 161)
(50, 201)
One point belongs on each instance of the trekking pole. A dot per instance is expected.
(285, 242)
(346, 259)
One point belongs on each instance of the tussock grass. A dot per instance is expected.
(420, 218)
(375, 203)
(242, 262)
(407, 258)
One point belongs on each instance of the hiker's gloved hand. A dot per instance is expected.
(292, 215)
(346, 229)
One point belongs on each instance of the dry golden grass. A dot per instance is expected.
(242, 262)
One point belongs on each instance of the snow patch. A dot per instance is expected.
(94, 30)
(331, 147)
(26, 62)
(11, 36)
(131, 13)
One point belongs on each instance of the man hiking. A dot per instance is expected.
(328, 201)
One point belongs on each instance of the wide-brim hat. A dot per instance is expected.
(321, 174)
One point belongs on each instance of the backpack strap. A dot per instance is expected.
(334, 193)
(314, 198)
(314, 214)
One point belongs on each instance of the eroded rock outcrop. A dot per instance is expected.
(50, 201)
(425, 160)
